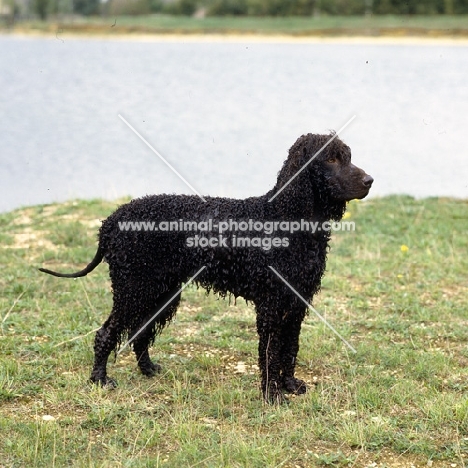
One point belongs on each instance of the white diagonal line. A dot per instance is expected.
(313, 310)
(161, 309)
(312, 158)
(161, 158)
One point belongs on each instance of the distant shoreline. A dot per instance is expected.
(388, 29)
(62, 34)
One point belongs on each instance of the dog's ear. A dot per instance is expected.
(296, 197)
(303, 182)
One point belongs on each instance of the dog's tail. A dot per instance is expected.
(94, 263)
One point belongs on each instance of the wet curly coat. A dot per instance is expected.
(148, 268)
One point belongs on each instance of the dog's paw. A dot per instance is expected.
(294, 386)
(273, 395)
(150, 369)
(104, 382)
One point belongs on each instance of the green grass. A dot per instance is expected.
(395, 288)
(398, 25)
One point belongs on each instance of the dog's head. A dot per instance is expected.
(331, 165)
(320, 177)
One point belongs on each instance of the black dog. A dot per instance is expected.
(148, 267)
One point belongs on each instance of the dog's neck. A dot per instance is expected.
(302, 205)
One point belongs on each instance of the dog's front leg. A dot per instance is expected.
(269, 360)
(290, 330)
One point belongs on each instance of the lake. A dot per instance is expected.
(224, 115)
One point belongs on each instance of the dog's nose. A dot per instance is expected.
(367, 181)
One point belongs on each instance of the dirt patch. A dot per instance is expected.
(24, 218)
(29, 239)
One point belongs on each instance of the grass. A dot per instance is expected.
(395, 288)
(385, 25)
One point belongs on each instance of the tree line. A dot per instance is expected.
(251, 7)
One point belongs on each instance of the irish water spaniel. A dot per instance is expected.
(148, 263)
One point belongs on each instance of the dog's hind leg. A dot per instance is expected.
(104, 343)
(145, 336)
(126, 308)
(140, 348)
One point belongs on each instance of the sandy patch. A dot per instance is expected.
(285, 39)
(29, 239)
(251, 38)
(89, 223)
(22, 219)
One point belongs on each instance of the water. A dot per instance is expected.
(224, 115)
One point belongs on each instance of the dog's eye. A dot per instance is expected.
(331, 160)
